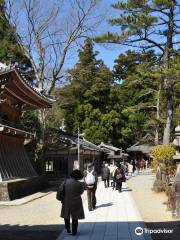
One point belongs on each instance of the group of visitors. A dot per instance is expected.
(139, 165)
(115, 174)
(72, 189)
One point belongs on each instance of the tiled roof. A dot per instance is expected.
(8, 69)
(140, 148)
(110, 147)
(82, 142)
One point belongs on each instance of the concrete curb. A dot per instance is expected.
(26, 199)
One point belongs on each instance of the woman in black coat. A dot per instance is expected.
(72, 204)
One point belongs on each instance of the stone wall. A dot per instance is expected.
(14, 189)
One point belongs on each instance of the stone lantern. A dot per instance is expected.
(176, 184)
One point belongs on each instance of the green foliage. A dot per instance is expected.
(86, 101)
(10, 51)
(30, 122)
(139, 23)
(137, 19)
(138, 90)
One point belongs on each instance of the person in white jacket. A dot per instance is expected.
(130, 169)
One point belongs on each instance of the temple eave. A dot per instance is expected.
(6, 130)
(14, 84)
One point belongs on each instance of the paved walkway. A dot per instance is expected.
(115, 218)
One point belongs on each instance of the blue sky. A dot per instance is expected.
(109, 53)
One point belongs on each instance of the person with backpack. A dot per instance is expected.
(119, 177)
(106, 175)
(90, 179)
(72, 203)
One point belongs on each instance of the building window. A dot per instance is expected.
(49, 166)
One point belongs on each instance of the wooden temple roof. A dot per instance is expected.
(14, 85)
(144, 145)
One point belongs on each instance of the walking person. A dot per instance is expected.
(112, 171)
(142, 164)
(137, 166)
(106, 175)
(119, 177)
(146, 164)
(72, 204)
(130, 169)
(90, 178)
(134, 165)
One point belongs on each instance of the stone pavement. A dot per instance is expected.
(115, 218)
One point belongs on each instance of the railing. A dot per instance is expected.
(13, 125)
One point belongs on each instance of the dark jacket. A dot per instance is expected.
(105, 173)
(72, 204)
(119, 171)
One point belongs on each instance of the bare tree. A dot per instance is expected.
(49, 31)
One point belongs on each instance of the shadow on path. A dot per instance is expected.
(92, 230)
(104, 205)
(126, 190)
(24, 232)
(131, 230)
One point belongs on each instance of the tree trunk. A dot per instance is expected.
(167, 80)
(169, 117)
(41, 118)
(157, 116)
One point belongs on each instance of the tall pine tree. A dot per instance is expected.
(150, 24)
(139, 95)
(86, 100)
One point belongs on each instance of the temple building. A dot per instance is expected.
(61, 155)
(17, 175)
(114, 155)
(142, 149)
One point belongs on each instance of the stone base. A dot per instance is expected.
(18, 188)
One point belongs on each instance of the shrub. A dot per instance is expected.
(163, 157)
(171, 203)
(159, 186)
(163, 154)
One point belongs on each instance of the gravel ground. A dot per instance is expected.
(152, 206)
(36, 220)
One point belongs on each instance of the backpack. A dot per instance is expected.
(90, 178)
